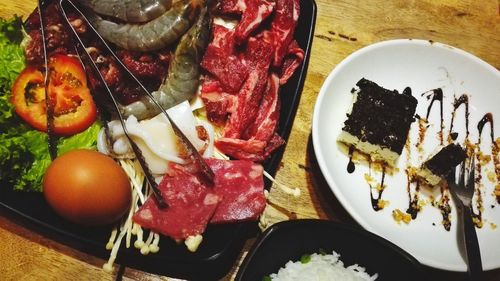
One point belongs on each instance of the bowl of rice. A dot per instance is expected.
(325, 250)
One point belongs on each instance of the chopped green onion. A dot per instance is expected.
(305, 258)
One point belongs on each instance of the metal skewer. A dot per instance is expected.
(52, 139)
(88, 61)
(195, 156)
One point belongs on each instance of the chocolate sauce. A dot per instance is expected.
(444, 207)
(413, 207)
(463, 99)
(437, 95)
(488, 118)
(453, 136)
(350, 166)
(376, 200)
(422, 131)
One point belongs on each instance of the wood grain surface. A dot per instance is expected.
(342, 27)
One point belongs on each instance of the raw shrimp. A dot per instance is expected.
(153, 35)
(183, 76)
(132, 11)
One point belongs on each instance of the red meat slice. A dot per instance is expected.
(221, 61)
(259, 55)
(240, 183)
(242, 149)
(190, 206)
(218, 105)
(275, 142)
(261, 139)
(267, 118)
(230, 6)
(254, 12)
(228, 69)
(292, 60)
(210, 84)
(252, 150)
(223, 38)
(283, 27)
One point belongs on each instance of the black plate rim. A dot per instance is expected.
(241, 230)
(301, 223)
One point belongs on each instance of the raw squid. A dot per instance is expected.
(156, 138)
(183, 75)
(153, 35)
(132, 11)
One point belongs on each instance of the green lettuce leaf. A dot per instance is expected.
(31, 178)
(24, 155)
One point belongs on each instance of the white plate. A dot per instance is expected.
(421, 65)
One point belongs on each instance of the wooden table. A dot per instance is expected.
(342, 27)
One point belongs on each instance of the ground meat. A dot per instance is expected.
(58, 37)
(144, 65)
(34, 49)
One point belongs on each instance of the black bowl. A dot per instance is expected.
(290, 240)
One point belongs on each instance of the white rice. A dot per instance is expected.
(322, 267)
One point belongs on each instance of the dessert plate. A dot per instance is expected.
(423, 66)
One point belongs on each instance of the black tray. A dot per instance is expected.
(221, 243)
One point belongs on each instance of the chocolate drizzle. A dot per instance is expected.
(350, 166)
(463, 99)
(376, 200)
(437, 95)
(444, 207)
(488, 118)
(413, 207)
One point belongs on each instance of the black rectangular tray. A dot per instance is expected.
(221, 243)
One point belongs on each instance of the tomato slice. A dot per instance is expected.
(74, 108)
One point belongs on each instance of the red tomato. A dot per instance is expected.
(74, 109)
(87, 187)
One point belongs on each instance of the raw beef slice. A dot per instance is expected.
(241, 185)
(190, 206)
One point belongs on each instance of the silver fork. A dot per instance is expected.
(462, 192)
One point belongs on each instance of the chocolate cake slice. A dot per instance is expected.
(441, 164)
(379, 121)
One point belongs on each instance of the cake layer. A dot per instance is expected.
(376, 152)
(379, 121)
(428, 176)
(441, 164)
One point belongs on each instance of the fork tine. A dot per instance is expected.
(472, 168)
(461, 175)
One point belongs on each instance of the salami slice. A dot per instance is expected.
(241, 185)
(190, 206)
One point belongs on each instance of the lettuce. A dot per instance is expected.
(24, 155)
(11, 63)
